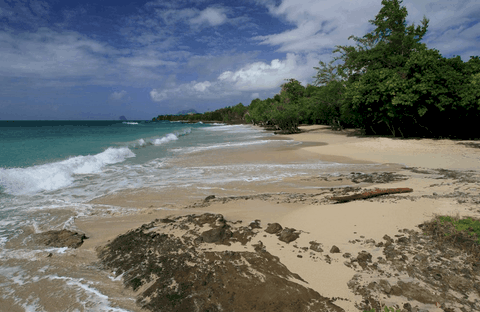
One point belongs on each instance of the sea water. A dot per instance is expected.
(50, 171)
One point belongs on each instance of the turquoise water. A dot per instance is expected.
(50, 171)
(29, 143)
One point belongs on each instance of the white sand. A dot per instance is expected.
(330, 224)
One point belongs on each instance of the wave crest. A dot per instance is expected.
(53, 176)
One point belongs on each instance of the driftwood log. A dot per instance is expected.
(374, 193)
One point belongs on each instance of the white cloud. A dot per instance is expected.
(195, 90)
(50, 54)
(262, 76)
(158, 96)
(319, 25)
(251, 77)
(118, 95)
(212, 16)
(202, 86)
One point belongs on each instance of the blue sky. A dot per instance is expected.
(102, 59)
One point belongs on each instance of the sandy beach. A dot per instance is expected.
(345, 256)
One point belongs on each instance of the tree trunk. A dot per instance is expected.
(374, 193)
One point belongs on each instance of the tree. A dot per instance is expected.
(327, 73)
(389, 45)
(379, 67)
(293, 90)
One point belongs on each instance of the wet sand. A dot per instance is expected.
(302, 203)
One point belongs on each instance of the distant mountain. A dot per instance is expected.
(123, 118)
(187, 111)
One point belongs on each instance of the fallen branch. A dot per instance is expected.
(376, 192)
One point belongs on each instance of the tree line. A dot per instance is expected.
(388, 84)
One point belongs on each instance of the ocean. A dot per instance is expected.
(51, 171)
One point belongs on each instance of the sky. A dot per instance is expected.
(86, 60)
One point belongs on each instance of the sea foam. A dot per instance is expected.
(169, 137)
(52, 176)
(165, 139)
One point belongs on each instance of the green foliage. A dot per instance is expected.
(472, 227)
(397, 86)
(235, 114)
(327, 74)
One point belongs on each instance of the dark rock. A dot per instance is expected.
(122, 118)
(420, 257)
(209, 218)
(216, 235)
(273, 228)
(315, 247)
(208, 198)
(364, 258)
(166, 220)
(407, 306)
(62, 238)
(385, 286)
(334, 249)
(417, 292)
(288, 235)
(255, 224)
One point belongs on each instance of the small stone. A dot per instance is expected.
(216, 235)
(385, 285)
(273, 228)
(209, 198)
(255, 224)
(403, 240)
(315, 246)
(334, 249)
(62, 238)
(288, 235)
(387, 238)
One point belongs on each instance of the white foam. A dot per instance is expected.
(94, 296)
(59, 250)
(221, 145)
(129, 123)
(141, 142)
(233, 129)
(53, 176)
(169, 137)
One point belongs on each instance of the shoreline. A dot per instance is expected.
(296, 205)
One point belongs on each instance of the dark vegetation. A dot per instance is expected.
(388, 84)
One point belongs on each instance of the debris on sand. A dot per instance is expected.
(375, 193)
